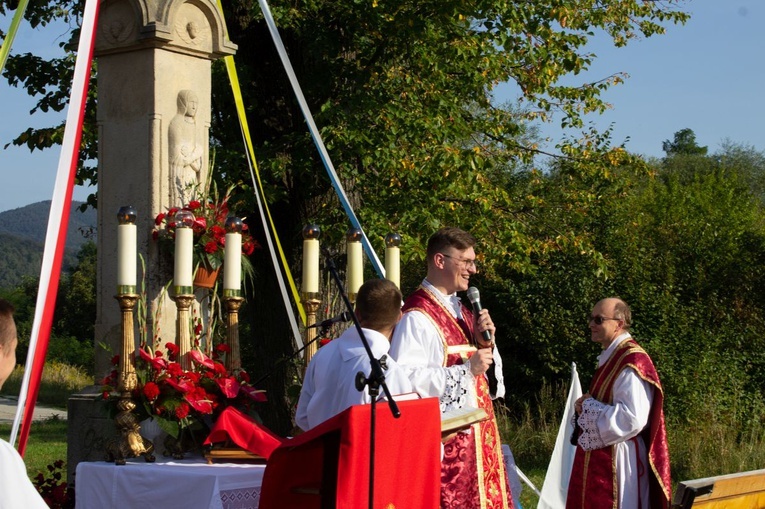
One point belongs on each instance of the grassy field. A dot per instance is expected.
(47, 439)
(47, 444)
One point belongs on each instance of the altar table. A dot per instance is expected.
(170, 484)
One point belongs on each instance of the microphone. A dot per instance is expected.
(475, 299)
(345, 316)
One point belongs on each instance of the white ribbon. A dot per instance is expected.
(317, 137)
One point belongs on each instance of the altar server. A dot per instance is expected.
(329, 384)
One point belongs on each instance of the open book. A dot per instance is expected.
(453, 420)
(461, 418)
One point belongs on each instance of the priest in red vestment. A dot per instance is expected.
(622, 457)
(439, 342)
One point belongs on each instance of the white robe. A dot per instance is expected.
(329, 383)
(16, 490)
(418, 346)
(604, 425)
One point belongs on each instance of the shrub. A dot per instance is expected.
(56, 492)
(58, 382)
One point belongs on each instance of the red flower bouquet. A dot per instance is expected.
(183, 399)
(209, 228)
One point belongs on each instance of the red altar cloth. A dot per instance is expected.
(328, 466)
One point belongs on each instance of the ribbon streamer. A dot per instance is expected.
(317, 137)
(233, 78)
(58, 222)
(5, 49)
(258, 188)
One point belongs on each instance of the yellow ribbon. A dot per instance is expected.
(5, 49)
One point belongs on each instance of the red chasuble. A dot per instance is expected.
(593, 477)
(473, 470)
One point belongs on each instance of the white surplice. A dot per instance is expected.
(418, 346)
(16, 490)
(605, 425)
(329, 383)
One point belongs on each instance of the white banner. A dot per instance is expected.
(555, 487)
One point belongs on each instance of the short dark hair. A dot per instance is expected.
(449, 237)
(7, 325)
(622, 312)
(378, 304)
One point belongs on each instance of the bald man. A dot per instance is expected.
(622, 458)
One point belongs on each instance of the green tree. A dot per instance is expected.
(685, 247)
(71, 338)
(684, 143)
(402, 92)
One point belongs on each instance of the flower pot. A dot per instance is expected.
(151, 430)
(205, 277)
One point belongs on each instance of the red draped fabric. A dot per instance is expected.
(330, 463)
(593, 478)
(245, 432)
(472, 470)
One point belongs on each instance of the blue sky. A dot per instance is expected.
(708, 75)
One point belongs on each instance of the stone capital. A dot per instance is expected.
(192, 27)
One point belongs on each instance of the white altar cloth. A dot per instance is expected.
(173, 484)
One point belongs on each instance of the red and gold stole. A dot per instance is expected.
(593, 477)
(473, 469)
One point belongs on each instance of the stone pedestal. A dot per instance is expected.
(89, 428)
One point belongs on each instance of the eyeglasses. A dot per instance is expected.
(600, 319)
(463, 261)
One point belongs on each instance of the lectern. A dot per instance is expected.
(328, 466)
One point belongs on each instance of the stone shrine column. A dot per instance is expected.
(154, 95)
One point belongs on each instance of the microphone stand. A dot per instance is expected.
(323, 332)
(375, 380)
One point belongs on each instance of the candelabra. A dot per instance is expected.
(183, 328)
(233, 358)
(311, 303)
(129, 443)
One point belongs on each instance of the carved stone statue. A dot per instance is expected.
(184, 149)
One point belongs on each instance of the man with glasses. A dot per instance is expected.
(622, 458)
(439, 342)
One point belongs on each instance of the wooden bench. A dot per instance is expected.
(744, 490)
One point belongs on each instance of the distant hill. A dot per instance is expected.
(22, 239)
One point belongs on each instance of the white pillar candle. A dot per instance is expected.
(232, 262)
(355, 266)
(126, 255)
(393, 258)
(310, 266)
(393, 265)
(184, 244)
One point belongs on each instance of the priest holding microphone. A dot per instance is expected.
(447, 349)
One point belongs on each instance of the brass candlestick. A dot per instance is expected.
(311, 304)
(233, 359)
(183, 329)
(130, 443)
